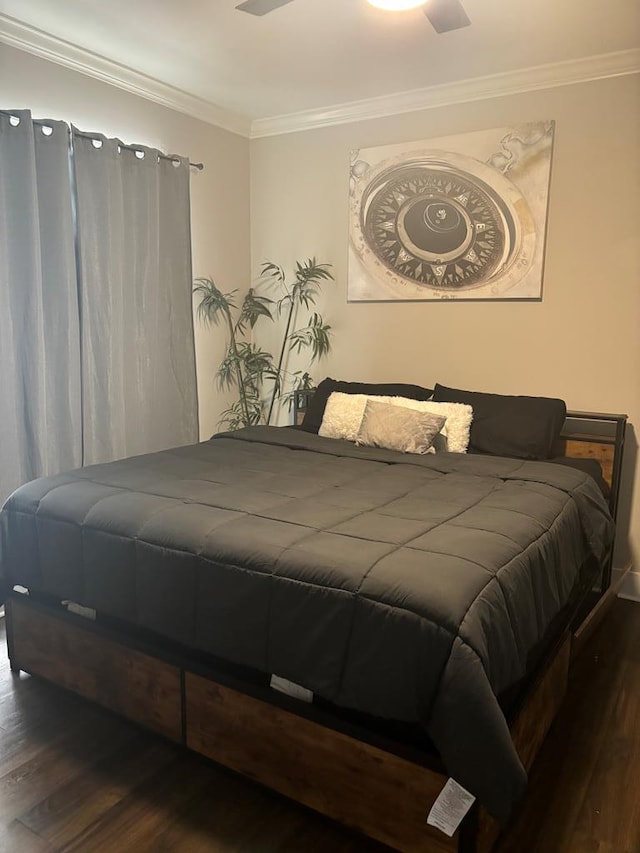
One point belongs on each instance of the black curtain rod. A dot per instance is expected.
(44, 123)
(199, 166)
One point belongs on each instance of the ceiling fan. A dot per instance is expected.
(445, 15)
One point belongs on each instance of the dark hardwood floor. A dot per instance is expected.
(75, 778)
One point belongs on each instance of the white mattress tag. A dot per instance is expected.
(450, 807)
(291, 688)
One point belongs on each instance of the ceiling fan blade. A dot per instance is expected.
(261, 7)
(446, 15)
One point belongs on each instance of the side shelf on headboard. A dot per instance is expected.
(300, 402)
(600, 436)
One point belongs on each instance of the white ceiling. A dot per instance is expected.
(315, 54)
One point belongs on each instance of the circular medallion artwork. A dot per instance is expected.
(440, 224)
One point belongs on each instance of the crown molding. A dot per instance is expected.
(19, 35)
(35, 41)
(550, 76)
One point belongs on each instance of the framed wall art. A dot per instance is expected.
(458, 217)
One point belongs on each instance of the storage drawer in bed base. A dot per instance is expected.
(381, 794)
(357, 784)
(125, 680)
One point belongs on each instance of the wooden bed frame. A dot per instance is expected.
(373, 787)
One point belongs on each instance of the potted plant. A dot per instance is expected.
(261, 381)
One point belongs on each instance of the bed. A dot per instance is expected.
(279, 557)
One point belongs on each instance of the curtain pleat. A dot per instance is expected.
(134, 251)
(40, 411)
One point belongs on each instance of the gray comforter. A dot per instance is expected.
(409, 587)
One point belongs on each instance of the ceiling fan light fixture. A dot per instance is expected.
(397, 5)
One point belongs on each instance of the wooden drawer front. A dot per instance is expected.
(358, 785)
(126, 681)
(532, 724)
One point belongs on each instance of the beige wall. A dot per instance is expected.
(220, 193)
(580, 342)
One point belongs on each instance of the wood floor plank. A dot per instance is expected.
(216, 826)
(147, 811)
(55, 764)
(68, 811)
(605, 810)
(25, 740)
(26, 702)
(16, 838)
(220, 825)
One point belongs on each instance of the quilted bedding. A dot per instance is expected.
(408, 587)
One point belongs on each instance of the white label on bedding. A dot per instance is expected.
(450, 807)
(291, 688)
(79, 610)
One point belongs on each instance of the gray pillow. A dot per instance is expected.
(398, 428)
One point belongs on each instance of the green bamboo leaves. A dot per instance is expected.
(247, 367)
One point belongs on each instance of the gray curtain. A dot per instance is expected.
(134, 255)
(40, 429)
(96, 328)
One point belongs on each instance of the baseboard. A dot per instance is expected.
(630, 588)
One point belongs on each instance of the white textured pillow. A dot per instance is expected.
(343, 416)
(398, 428)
